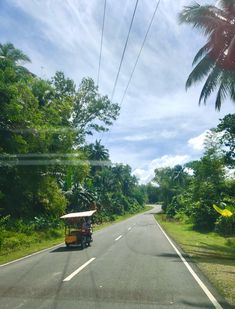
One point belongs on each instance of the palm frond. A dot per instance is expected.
(216, 58)
(221, 94)
(207, 17)
(9, 51)
(210, 84)
(200, 71)
(228, 82)
(232, 88)
(202, 52)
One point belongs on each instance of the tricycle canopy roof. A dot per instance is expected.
(79, 214)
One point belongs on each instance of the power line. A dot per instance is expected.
(140, 51)
(101, 43)
(124, 50)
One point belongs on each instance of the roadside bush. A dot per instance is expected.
(203, 216)
(53, 233)
(172, 209)
(20, 226)
(180, 203)
(182, 217)
(135, 207)
(225, 226)
(14, 242)
(50, 198)
(43, 223)
(3, 223)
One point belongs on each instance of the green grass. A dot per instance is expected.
(17, 245)
(33, 247)
(213, 254)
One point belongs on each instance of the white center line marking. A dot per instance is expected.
(118, 237)
(129, 228)
(195, 276)
(78, 270)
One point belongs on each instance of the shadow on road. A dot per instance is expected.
(151, 213)
(65, 249)
(203, 305)
(172, 256)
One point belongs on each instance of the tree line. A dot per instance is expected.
(47, 167)
(190, 192)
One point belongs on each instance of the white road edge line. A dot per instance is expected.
(195, 276)
(27, 256)
(78, 270)
(118, 237)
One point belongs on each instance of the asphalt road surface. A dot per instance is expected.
(130, 264)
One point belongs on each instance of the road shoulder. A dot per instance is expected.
(199, 271)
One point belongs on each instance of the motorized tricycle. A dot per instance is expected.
(78, 229)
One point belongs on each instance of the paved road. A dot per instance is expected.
(134, 267)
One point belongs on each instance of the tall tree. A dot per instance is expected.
(96, 154)
(97, 151)
(92, 111)
(227, 140)
(216, 59)
(8, 51)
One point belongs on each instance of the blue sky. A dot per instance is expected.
(160, 123)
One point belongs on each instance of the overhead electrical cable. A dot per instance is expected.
(124, 50)
(101, 43)
(140, 51)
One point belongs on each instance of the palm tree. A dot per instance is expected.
(17, 57)
(216, 59)
(97, 153)
(8, 51)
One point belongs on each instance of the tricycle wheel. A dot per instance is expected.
(82, 245)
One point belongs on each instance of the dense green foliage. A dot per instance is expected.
(216, 59)
(227, 140)
(153, 193)
(189, 192)
(46, 166)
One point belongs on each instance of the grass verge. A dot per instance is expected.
(23, 244)
(18, 245)
(213, 254)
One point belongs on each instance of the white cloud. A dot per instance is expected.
(189, 171)
(169, 161)
(153, 135)
(136, 138)
(197, 143)
(230, 173)
(168, 134)
(146, 175)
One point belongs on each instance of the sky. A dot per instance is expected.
(160, 124)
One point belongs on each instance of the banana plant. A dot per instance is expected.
(223, 212)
